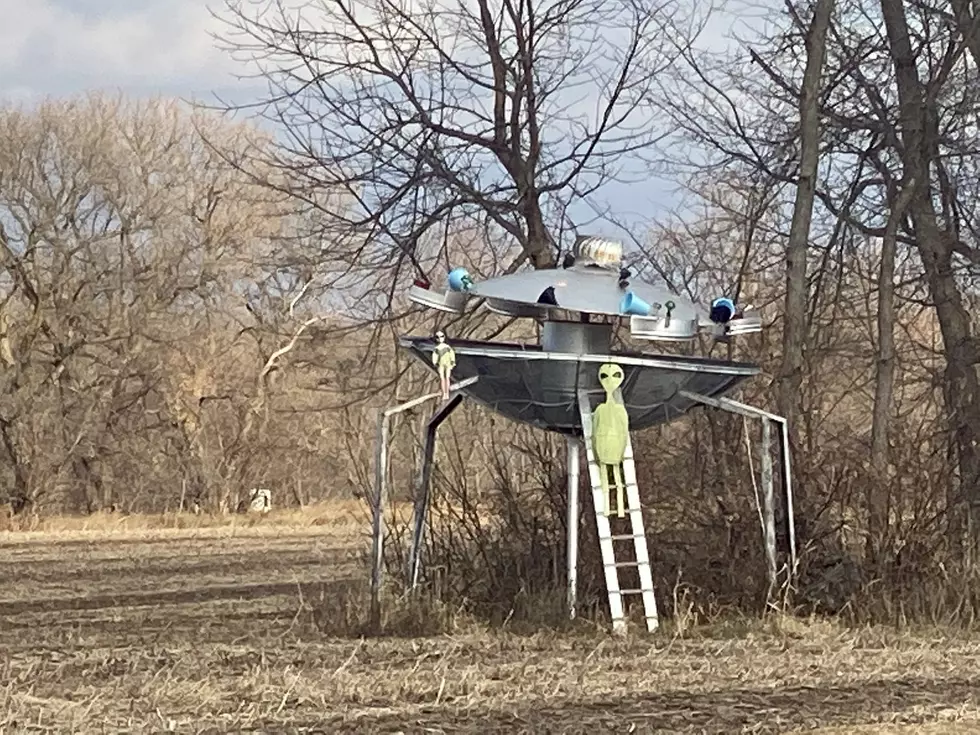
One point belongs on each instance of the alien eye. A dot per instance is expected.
(603, 375)
(618, 374)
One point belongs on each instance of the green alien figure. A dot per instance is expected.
(610, 433)
(444, 358)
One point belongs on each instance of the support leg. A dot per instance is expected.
(620, 490)
(788, 492)
(768, 500)
(572, 550)
(727, 404)
(422, 489)
(378, 520)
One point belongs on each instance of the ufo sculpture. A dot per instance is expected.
(555, 385)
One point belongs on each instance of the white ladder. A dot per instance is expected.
(607, 539)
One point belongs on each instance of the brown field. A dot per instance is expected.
(116, 626)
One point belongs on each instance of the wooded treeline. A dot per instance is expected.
(193, 307)
(150, 296)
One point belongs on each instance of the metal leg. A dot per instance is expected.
(573, 508)
(377, 518)
(380, 498)
(788, 493)
(422, 489)
(768, 500)
(742, 409)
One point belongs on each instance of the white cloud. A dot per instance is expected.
(56, 47)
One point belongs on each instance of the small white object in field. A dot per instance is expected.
(260, 500)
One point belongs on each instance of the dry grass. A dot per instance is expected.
(214, 630)
(344, 516)
(946, 727)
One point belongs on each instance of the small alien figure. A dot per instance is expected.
(610, 432)
(444, 358)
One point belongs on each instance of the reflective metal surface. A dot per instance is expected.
(586, 289)
(577, 338)
(449, 301)
(663, 329)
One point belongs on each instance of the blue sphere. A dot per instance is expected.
(459, 279)
(722, 310)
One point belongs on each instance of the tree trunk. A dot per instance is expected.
(878, 488)
(966, 24)
(960, 385)
(539, 247)
(794, 328)
(20, 495)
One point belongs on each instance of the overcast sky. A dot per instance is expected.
(143, 47)
(150, 47)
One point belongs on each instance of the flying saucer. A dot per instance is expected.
(539, 384)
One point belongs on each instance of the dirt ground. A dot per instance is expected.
(212, 630)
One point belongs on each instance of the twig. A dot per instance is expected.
(300, 295)
(353, 655)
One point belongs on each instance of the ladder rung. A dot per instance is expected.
(624, 536)
(612, 490)
(622, 564)
(598, 489)
(634, 592)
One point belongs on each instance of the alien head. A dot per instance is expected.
(610, 376)
(440, 336)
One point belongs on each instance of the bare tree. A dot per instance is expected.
(125, 241)
(797, 287)
(884, 394)
(918, 117)
(403, 121)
